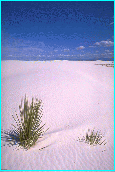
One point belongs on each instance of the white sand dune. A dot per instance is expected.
(76, 96)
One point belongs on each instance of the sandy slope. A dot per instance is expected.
(77, 96)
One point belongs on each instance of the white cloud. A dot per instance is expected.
(60, 55)
(91, 46)
(97, 43)
(110, 53)
(39, 55)
(105, 43)
(107, 50)
(34, 49)
(80, 47)
(81, 54)
(55, 50)
(67, 55)
(66, 50)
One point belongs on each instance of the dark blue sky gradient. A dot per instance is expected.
(59, 30)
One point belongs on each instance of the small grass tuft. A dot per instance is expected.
(93, 138)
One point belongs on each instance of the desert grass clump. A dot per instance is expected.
(93, 138)
(28, 127)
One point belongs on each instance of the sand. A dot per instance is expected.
(76, 96)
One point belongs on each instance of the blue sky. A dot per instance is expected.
(59, 30)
